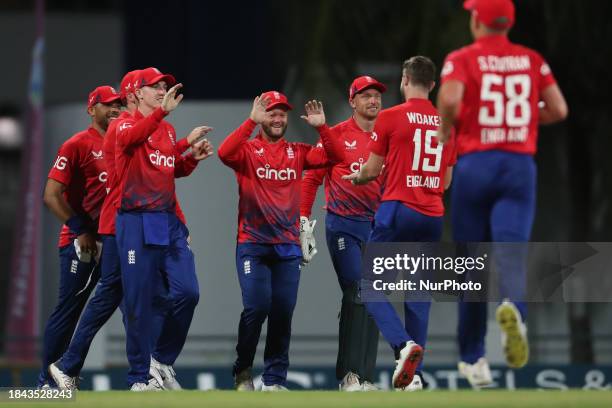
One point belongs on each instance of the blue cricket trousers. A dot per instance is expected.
(77, 279)
(395, 222)
(269, 276)
(493, 199)
(153, 247)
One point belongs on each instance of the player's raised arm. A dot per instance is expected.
(315, 117)
(230, 150)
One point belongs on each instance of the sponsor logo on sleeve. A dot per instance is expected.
(447, 69)
(60, 163)
(545, 69)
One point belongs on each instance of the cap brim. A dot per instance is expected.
(376, 85)
(169, 79)
(111, 99)
(279, 104)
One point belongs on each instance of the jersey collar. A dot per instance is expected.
(494, 38)
(92, 131)
(423, 101)
(353, 125)
(261, 139)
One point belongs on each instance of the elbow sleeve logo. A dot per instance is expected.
(60, 162)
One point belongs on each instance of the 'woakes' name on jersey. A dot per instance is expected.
(81, 168)
(269, 177)
(341, 196)
(503, 83)
(146, 163)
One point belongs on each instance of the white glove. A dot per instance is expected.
(86, 256)
(307, 239)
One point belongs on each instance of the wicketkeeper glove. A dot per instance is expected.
(307, 239)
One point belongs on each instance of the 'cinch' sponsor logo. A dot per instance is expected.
(274, 174)
(159, 159)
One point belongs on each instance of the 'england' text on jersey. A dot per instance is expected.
(420, 181)
(501, 135)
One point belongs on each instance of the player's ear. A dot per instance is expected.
(91, 111)
(432, 86)
(352, 103)
(138, 94)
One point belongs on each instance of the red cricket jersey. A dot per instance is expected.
(415, 163)
(80, 167)
(147, 162)
(109, 207)
(342, 197)
(503, 82)
(269, 179)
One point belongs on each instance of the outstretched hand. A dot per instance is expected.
(202, 150)
(315, 116)
(258, 113)
(171, 100)
(198, 134)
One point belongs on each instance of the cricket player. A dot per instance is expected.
(269, 173)
(494, 93)
(109, 292)
(418, 170)
(348, 224)
(75, 190)
(150, 237)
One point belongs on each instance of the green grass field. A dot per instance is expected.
(231, 399)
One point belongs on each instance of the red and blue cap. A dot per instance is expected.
(364, 82)
(277, 100)
(103, 94)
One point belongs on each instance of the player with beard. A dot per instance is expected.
(74, 193)
(418, 170)
(348, 224)
(269, 173)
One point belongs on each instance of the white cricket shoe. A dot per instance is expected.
(165, 375)
(514, 334)
(415, 385)
(477, 374)
(409, 359)
(244, 381)
(367, 386)
(152, 385)
(273, 388)
(350, 383)
(63, 381)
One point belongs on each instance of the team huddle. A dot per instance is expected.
(385, 174)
